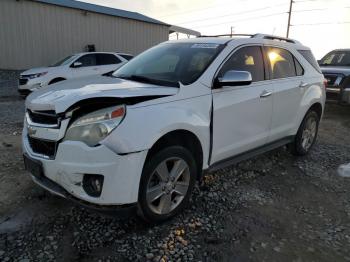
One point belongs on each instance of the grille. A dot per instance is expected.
(23, 81)
(44, 117)
(43, 147)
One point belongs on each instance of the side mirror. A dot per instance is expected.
(319, 62)
(77, 64)
(234, 78)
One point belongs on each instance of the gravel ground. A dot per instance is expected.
(275, 207)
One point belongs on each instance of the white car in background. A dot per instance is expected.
(74, 66)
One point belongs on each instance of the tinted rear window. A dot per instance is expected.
(307, 54)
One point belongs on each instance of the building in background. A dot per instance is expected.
(40, 32)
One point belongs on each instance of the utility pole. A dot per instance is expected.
(289, 16)
(232, 30)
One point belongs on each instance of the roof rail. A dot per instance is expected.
(272, 37)
(230, 35)
(259, 36)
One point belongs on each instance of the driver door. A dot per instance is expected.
(242, 114)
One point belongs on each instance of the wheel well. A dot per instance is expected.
(183, 138)
(317, 107)
(57, 79)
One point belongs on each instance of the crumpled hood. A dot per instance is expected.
(37, 70)
(345, 70)
(62, 95)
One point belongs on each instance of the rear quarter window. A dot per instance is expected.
(307, 54)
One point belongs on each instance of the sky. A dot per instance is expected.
(323, 25)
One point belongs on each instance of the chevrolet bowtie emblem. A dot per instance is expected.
(31, 131)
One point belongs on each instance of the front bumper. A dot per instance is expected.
(73, 159)
(56, 189)
(30, 86)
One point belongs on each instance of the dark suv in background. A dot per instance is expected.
(336, 68)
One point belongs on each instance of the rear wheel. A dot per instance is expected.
(307, 134)
(167, 182)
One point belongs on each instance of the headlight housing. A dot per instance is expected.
(95, 126)
(36, 75)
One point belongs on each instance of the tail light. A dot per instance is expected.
(325, 82)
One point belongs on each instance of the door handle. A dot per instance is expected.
(265, 94)
(303, 84)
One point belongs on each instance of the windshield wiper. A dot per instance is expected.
(145, 79)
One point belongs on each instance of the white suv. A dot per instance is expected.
(140, 138)
(78, 65)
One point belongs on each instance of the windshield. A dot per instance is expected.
(336, 58)
(65, 61)
(170, 63)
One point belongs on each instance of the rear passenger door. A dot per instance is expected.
(286, 77)
(242, 114)
(107, 62)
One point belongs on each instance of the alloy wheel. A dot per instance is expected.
(168, 185)
(309, 133)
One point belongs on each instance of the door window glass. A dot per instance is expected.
(246, 59)
(87, 60)
(107, 59)
(281, 63)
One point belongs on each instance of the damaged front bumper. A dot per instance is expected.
(64, 175)
(54, 188)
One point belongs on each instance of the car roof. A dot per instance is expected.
(341, 49)
(102, 52)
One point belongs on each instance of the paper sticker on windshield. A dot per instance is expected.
(204, 46)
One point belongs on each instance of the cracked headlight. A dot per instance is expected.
(95, 126)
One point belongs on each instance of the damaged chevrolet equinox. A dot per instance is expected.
(140, 138)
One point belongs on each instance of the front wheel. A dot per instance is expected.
(166, 184)
(307, 134)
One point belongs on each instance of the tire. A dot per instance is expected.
(163, 192)
(56, 80)
(300, 146)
